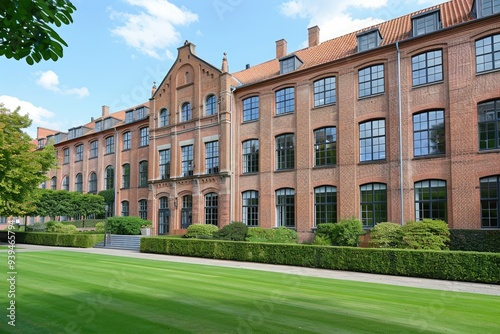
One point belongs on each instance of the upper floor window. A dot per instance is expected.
(373, 204)
(143, 174)
(211, 105)
(109, 178)
(94, 149)
(430, 200)
(251, 156)
(426, 23)
(79, 183)
(490, 201)
(488, 54)
(211, 208)
(212, 157)
(110, 145)
(186, 112)
(285, 207)
(66, 156)
(65, 183)
(428, 133)
(371, 80)
(93, 183)
(372, 140)
(163, 117)
(325, 205)
(144, 136)
(126, 176)
(489, 125)
(79, 153)
(325, 146)
(98, 126)
(324, 91)
(187, 160)
(127, 140)
(427, 67)
(125, 208)
(250, 208)
(285, 151)
(285, 100)
(251, 109)
(289, 64)
(129, 116)
(487, 7)
(369, 40)
(164, 164)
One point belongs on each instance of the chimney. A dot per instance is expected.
(153, 89)
(313, 36)
(105, 111)
(280, 48)
(247, 66)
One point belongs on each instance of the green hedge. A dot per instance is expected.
(274, 235)
(129, 225)
(457, 266)
(56, 239)
(475, 240)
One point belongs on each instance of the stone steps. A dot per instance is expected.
(115, 241)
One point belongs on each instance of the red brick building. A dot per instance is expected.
(397, 122)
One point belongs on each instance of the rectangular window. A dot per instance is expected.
(325, 146)
(250, 208)
(94, 149)
(285, 208)
(487, 7)
(110, 145)
(489, 125)
(428, 133)
(289, 64)
(369, 40)
(285, 101)
(251, 156)
(488, 54)
(427, 67)
(186, 211)
(251, 109)
(143, 209)
(144, 134)
(371, 80)
(127, 140)
(490, 202)
(212, 157)
(129, 116)
(187, 160)
(373, 204)
(211, 209)
(125, 209)
(164, 164)
(430, 200)
(325, 205)
(143, 174)
(79, 153)
(98, 126)
(372, 140)
(66, 156)
(324, 91)
(126, 176)
(426, 23)
(285, 152)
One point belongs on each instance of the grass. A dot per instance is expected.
(72, 292)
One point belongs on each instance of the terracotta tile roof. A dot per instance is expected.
(451, 12)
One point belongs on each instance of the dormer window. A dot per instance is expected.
(98, 126)
(482, 8)
(426, 23)
(369, 40)
(289, 64)
(129, 116)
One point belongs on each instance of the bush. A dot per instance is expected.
(129, 225)
(235, 231)
(344, 233)
(475, 240)
(201, 231)
(36, 227)
(426, 234)
(57, 239)
(273, 235)
(386, 235)
(99, 227)
(61, 228)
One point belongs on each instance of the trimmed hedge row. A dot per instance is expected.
(475, 240)
(80, 240)
(457, 266)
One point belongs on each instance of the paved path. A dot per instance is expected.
(488, 289)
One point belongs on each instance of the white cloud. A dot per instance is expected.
(152, 29)
(41, 117)
(50, 81)
(333, 17)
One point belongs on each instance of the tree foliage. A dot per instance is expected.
(53, 203)
(22, 167)
(26, 28)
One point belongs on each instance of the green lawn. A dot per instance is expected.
(70, 292)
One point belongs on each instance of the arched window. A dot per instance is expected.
(325, 146)
(251, 156)
(79, 183)
(93, 183)
(143, 174)
(211, 208)
(325, 205)
(373, 204)
(285, 207)
(211, 105)
(65, 183)
(163, 117)
(53, 183)
(186, 112)
(143, 209)
(109, 180)
(125, 208)
(186, 211)
(430, 200)
(250, 208)
(126, 176)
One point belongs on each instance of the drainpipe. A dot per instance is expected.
(154, 169)
(116, 172)
(400, 128)
(231, 167)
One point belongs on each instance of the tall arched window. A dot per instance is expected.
(79, 183)
(186, 211)
(186, 112)
(93, 183)
(65, 183)
(109, 180)
(126, 176)
(163, 117)
(211, 105)
(143, 174)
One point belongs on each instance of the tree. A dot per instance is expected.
(22, 166)
(26, 32)
(53, 203)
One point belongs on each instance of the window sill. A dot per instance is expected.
(371, 162)
(370, 96)
(93, 157)
(285, 114)
(250, 173)
(109, 153)
(324, 105)
(284, 170)
(325, 166)
(126, 149)
(250, 121)
(491, 150)
(488, 71)
(430, 156)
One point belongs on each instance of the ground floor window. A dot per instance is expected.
(325, 205)
(285, 207)
(490, 201)
(163, 216)
(187, 211)
(430, 200)
(373, 204)
(125, 208)
(250, 208)
(143, 209)
(211, 208)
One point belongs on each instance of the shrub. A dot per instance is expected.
(475, 240)
(344, 233)
(201, 231)
(235, 231)
(61, 228)
(99, 227)
(426, 234)
(386, 235)
(129, 225)
(274, 235)
(37, 227)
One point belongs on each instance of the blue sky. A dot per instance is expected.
(117, 48)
